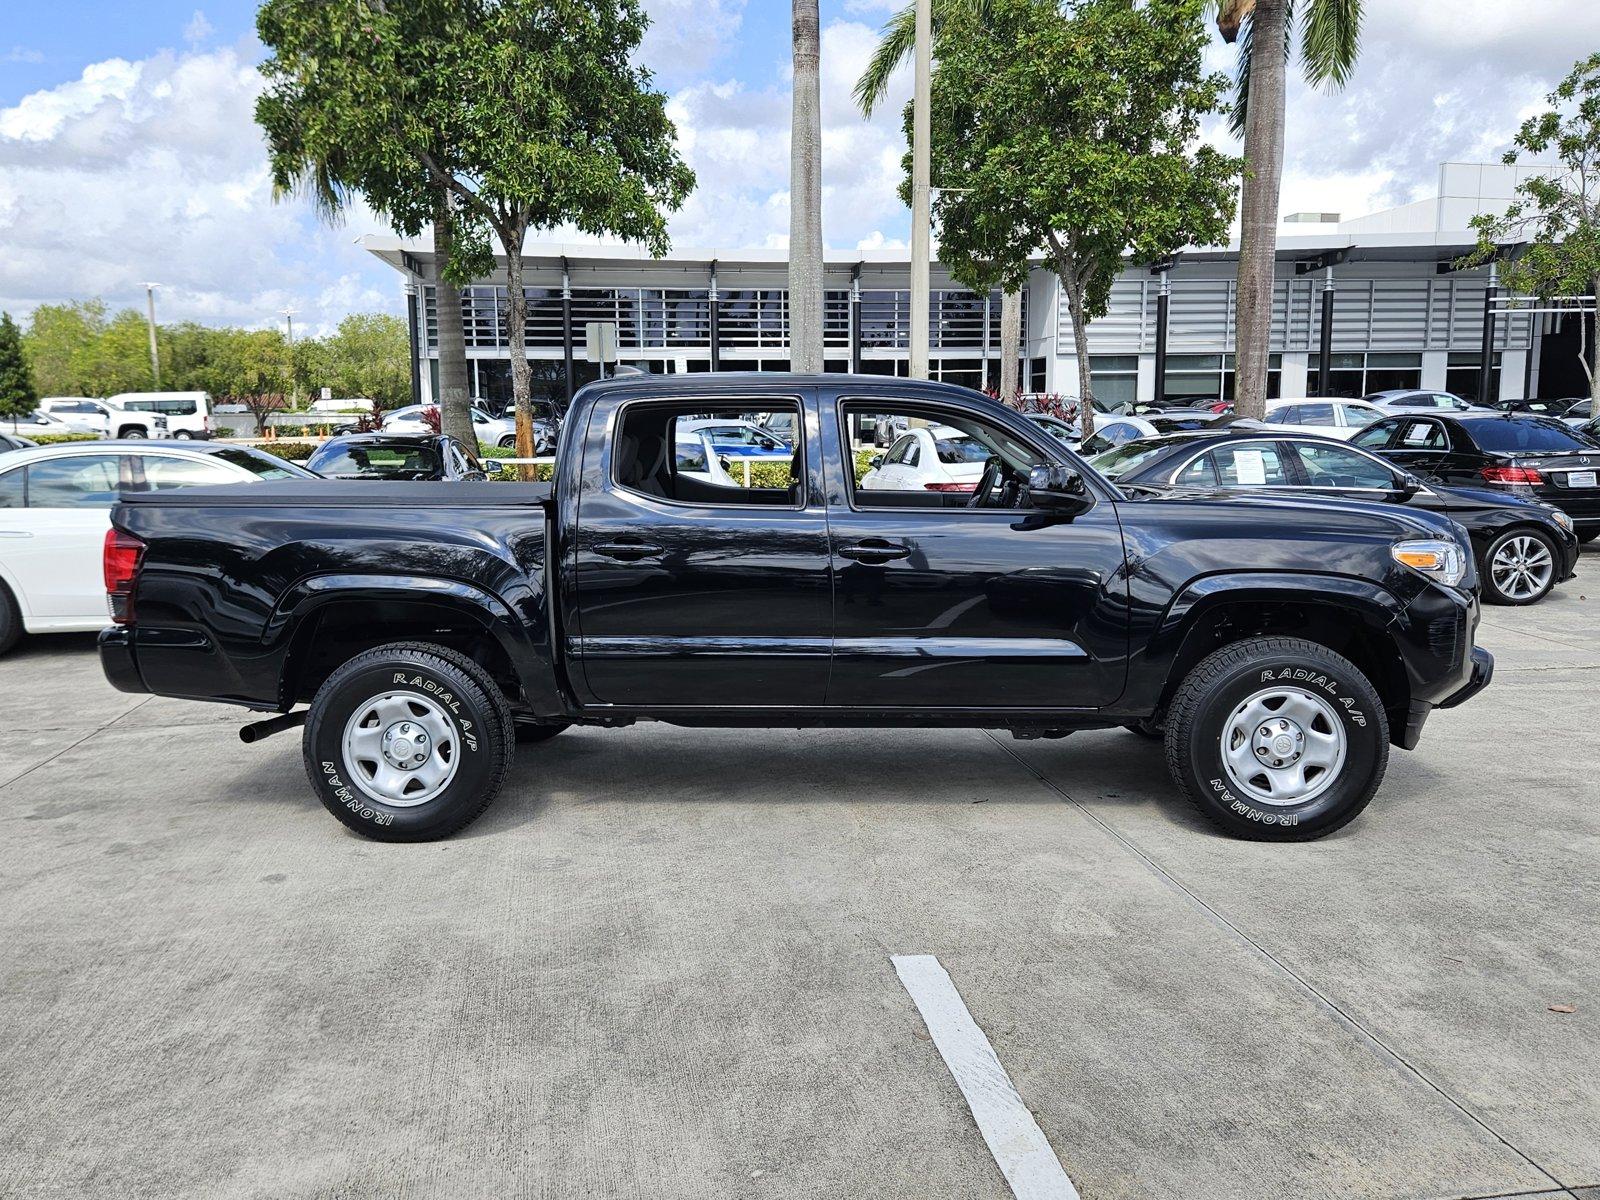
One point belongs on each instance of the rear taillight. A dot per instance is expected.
(950, 487)
(121, 563)
(1511, 475)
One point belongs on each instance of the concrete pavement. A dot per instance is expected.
(660, 965)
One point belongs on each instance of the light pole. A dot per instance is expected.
(150, 319)
(294, 388)
(921, 214)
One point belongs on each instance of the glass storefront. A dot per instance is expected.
(1356, 375)
(1463, 372)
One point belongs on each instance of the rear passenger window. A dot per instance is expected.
(716, 452)
(79, 481)
(1251, 465)
(1423, 435)
(164, 474)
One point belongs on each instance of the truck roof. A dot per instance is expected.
(771, 383)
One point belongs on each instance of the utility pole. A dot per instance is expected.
(921, 211)
(150, 319)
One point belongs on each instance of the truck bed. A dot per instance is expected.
(347, 493)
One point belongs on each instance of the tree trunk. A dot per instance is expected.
(454, 398)
(1072, 288)
(516, 336)
(1258, 208)
(1010, 341)
(805, 195)
(1594, 366)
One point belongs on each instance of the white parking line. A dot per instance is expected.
(1014, 1137)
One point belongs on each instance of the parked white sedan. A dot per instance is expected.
(1341, 419)
(933, 458)
(55, 510)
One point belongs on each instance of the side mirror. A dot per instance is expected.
(875, 461)
(1056, 487)
(1405, 487)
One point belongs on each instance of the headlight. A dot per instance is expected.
(1560, 518)
(1439, 559)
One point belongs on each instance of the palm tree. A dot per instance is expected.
(805, 193)
(1330, 34)
(896, 43)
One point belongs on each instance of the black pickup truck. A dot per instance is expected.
(680, 569)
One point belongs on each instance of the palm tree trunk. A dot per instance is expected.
(805, 194)
(454, 399)
(1010, 342)
(1258, 221)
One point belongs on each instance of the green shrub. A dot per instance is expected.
(55, 439)
(293, 451)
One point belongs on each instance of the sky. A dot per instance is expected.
(128, 152)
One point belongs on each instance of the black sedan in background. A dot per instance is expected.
(1534, 457)
(412, 456)
(1523, 547)
(14, 441)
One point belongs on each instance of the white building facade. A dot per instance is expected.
(1402, 315)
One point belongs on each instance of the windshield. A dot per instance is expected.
(1529, 435)
(1128, 457)
(262, 466)
(381, 462)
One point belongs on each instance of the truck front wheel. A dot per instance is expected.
(408, 742)
(1277, 739)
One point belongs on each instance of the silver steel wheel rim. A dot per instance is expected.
(400, 749)
(1522, 567)
(1283, 745)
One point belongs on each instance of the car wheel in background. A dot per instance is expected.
(1519, 567)
(183, 435)
(10, 620)
(1277, 739)
(509, 442)
(408, 742)
(132, 432)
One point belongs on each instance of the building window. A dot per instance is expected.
(1197, 378)
(1116, 378)
(1463, 372)
(1355, 375)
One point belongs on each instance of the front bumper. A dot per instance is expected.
(1482, 673)
(117, 660)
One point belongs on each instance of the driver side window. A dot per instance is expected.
(941, 462)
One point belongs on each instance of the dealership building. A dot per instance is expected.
(1379, 295)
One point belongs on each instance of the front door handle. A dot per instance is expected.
(627, 551)
(15, 533)
(874, 550)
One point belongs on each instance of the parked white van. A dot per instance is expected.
(188, 414)
(103, 417)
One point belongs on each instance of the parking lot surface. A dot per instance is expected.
(660, 966)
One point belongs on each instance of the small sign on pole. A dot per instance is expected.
(600, 343)
(327, 393)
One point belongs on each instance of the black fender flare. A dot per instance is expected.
(530, 656)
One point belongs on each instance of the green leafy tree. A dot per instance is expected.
(527, 114)
(336, 78)
(1558, 214)
(248, 367)
(17, 394)
(77, 349)
(369, 355)
(1074, 132)
(1330, 38)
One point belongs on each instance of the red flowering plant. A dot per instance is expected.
(432, 419)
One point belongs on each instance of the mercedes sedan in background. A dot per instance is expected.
(1523, 547)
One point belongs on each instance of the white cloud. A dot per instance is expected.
(23, 54)
(155, 170)
(198, 29)
(687, 36)
(737, 140)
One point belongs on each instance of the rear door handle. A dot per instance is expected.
(874, 550)
(15, 533)
(627, 551)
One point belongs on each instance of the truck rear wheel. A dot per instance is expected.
(408, 742)
(1277, 739)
